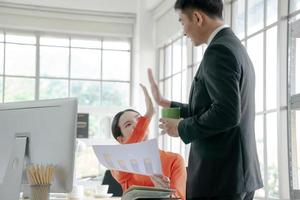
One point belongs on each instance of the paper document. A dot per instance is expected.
(139, 158)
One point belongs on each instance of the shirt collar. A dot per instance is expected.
(215, 32)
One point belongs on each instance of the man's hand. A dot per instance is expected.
(169, 126)
(156, 93)
(148, 101)
(160, 181)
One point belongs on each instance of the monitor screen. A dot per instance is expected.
(51, 129)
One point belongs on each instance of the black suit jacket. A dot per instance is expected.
(219, 122)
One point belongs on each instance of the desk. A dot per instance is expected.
(84, 198)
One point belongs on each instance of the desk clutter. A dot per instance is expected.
(40, 178)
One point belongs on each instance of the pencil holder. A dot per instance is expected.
(40, 192)
(40, 178)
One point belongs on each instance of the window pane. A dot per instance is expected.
(195, 69)
(20, 60)
(52, 89)
(161, 64)
(272, 152)
(238, 18)
(272, 11)
(161, 87)
(87, 92)
(85, 63)
(271, 69)
(176, 88)
(19, 89)
(116, 44)
(177, 56)
(295, 141)
(116, 65)
(255, 15)
(85, 43)
(168, 61)
(54, 41)
(296, 77)
(86, 162)
(54, 61)
(184, 53)
(295, 5)
(184, 89)
(99, 126)
(198, 54)
(1, 89)
(168, 89)
(115, 94)
(175, 145)
(1, 36)
(256, 55)
(259, 134)
(21, 39)
(1, 57)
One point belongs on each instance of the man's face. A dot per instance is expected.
(192, 26)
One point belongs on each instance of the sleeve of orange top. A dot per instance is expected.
(140, 131)
(123, 178)
(178, 177)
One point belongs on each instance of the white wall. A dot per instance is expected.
(66, 20)
(166, 23)
(122, 6)
(144, 54)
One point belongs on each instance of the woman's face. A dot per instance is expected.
(127, 123)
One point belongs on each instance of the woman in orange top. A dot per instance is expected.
(129, 126)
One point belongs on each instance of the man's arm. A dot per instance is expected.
(221, 78)
(184, 112)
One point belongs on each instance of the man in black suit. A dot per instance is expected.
(218, 120)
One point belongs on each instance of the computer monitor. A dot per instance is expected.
(47, 129)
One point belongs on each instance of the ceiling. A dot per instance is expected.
(123, 6)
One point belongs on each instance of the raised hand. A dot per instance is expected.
(149, 105)
(160, 100)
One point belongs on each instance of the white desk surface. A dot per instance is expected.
(85, 198)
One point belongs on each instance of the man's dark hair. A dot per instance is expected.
(212, 8)
(115, 129)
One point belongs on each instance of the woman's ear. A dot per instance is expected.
(120, 139)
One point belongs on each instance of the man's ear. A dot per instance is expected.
(120, 139)
(197, 17)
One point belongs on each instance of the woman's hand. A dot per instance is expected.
(148, 101)
(160, 181)
(160, 100)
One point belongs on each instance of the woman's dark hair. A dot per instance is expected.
(115, 129)
(213, 8)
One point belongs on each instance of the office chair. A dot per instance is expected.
(113, 186)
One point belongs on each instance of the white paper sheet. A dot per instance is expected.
(139, 158)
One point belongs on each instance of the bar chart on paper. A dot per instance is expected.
(139, 158)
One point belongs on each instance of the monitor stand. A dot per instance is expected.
(11, 185)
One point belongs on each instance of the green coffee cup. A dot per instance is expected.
(173, 113)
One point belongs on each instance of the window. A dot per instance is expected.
(294, 108)
(46, 66)
(256, 24)
(178, 62)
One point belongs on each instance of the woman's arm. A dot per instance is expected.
(178, 177)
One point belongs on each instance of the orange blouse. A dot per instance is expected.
(173, 165)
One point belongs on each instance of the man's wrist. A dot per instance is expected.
(165, 103)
